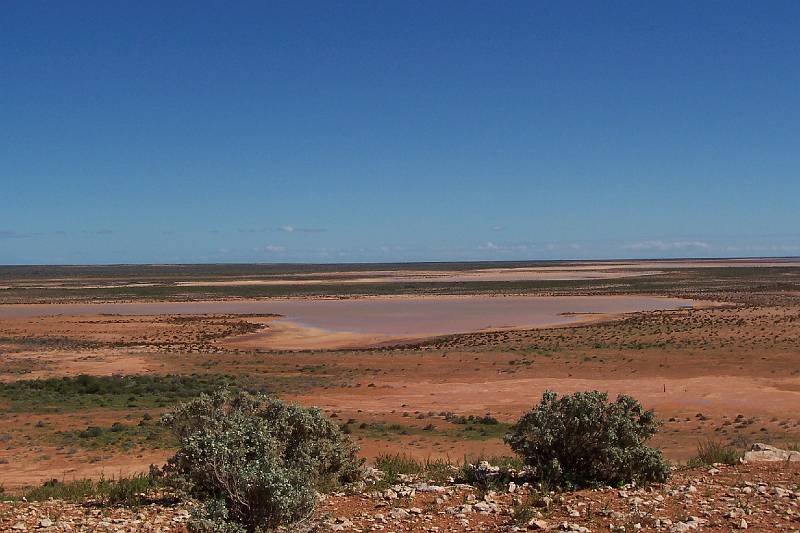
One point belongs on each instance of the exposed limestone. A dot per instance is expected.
(765, 452)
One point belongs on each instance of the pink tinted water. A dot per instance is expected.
(387, 316)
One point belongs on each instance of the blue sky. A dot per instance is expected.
(394, 131)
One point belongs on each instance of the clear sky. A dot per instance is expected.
(397, 130)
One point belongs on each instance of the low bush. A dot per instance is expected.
(487, 419)
(582, 439)
(255, 461)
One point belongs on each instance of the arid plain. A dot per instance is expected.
(396, 353)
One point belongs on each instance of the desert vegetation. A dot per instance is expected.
(582, 439)
(255, 461)
(82, 397)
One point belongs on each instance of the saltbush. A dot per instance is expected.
(582, 439)
(256, 461)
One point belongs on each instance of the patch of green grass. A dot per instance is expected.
(118, 436)
(115, 392)
(120, 491)
(712, 451)
(392, 465)
(481, 431)
(50, 343)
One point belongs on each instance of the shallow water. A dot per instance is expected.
(386, 316)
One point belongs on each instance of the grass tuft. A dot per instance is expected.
(710, 452)
(128, 491)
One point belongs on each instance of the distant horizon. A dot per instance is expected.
(345, 263)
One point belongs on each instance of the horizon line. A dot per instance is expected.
(422, 262)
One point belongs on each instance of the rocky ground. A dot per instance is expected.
(760, 496)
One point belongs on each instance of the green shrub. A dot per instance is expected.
(712, 451)
(582, 439)
(257, 461)
(91, 432)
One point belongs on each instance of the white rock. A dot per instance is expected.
(397, 513)
(765, 452)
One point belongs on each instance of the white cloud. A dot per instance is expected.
(274, 248)
(527, 247)
(288, 228)
(765, 248)
(663, 246)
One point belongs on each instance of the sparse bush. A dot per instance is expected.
(582, 439)
(91, 432)
(712, 451)
(487, 419)
(523, 512)
(256, 461)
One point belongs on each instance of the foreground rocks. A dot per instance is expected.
(752, 496)
(755, 496)
(62, 516)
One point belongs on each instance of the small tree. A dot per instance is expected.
(257, 461)
(582, 439)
